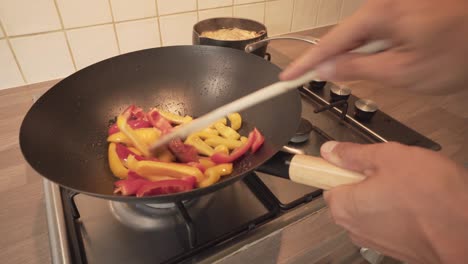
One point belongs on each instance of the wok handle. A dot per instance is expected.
(319, 173)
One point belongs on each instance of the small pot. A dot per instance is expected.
(229, 22)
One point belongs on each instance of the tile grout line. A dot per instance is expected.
(159, 23)
(198, 11)
(341, 11)
(318, 11)
(10, 46)
(264, 12)
(292, 15)
(114, 27)
(123, 21)
(65, 34)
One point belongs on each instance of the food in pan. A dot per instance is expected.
(230, 34)
(198, 161)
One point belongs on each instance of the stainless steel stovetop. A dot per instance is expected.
(84, 229)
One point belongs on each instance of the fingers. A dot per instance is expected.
(357, 157)
(347, 67)
(344, 37)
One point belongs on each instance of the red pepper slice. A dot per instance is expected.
(220, 157)
(166, 187)
(158, 121)
(197, 165)
(183, 152)
(137, 119)
(131, 185)
(123, 152)
(258, 142)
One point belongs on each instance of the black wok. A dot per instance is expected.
(63, 136)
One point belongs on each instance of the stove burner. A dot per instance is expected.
(302, 132)
(338, 93)
(142, 216)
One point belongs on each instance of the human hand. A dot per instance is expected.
(412, 206)
(429, 46)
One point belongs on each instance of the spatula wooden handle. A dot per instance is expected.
(319, 173)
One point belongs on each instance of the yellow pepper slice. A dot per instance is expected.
(226, 131)
(213, 174)
(222, 121)
(236, 121)
(200, 145)
(176, 170)
(244, 140)
(115, 164)
(146, 136)
(131, 162)
(230, 143)
(206, 162)
(166, 156)
(222, 149)
(137, 142)
(174, 118)
(134, 150)
(205, 135)
(210, 131)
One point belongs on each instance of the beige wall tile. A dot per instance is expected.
(77, 13)
(217, 12)
(203, 4)
(138, 35)
(253, 11)
(93, 44)
(349, 7)
(166, 7)
(329, 12)
(28, 16)
(43, 57)
(278, 16)
(239, 2)
(177, 29)
(1, 34)
(133, 9)
(10, 75)
(305, 14)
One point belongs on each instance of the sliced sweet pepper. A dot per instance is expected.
(176, 170)
(174, 118)
(115, 163)
(236, 121)
(236, 153)
(213, 174)
(183, 152)
(226, 131)
(130, 185)
(147, 136)
(137, 142)
(258, 142)
(200, 145)
(137, 119)
(166, 187)
(222, 149)
(230, 143)
(158, 121)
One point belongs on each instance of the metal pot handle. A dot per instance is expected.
(255, 45)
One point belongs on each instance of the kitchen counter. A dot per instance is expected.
(23, 221)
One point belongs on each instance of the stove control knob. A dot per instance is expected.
(317, 85)
(338, 93)
(302, 132)
(365, 109)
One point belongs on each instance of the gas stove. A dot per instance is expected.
(85, 229)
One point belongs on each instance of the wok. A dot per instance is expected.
(63, 135)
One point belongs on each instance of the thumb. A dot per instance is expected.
(357, 157)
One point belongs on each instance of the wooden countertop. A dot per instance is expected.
(23, 223)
